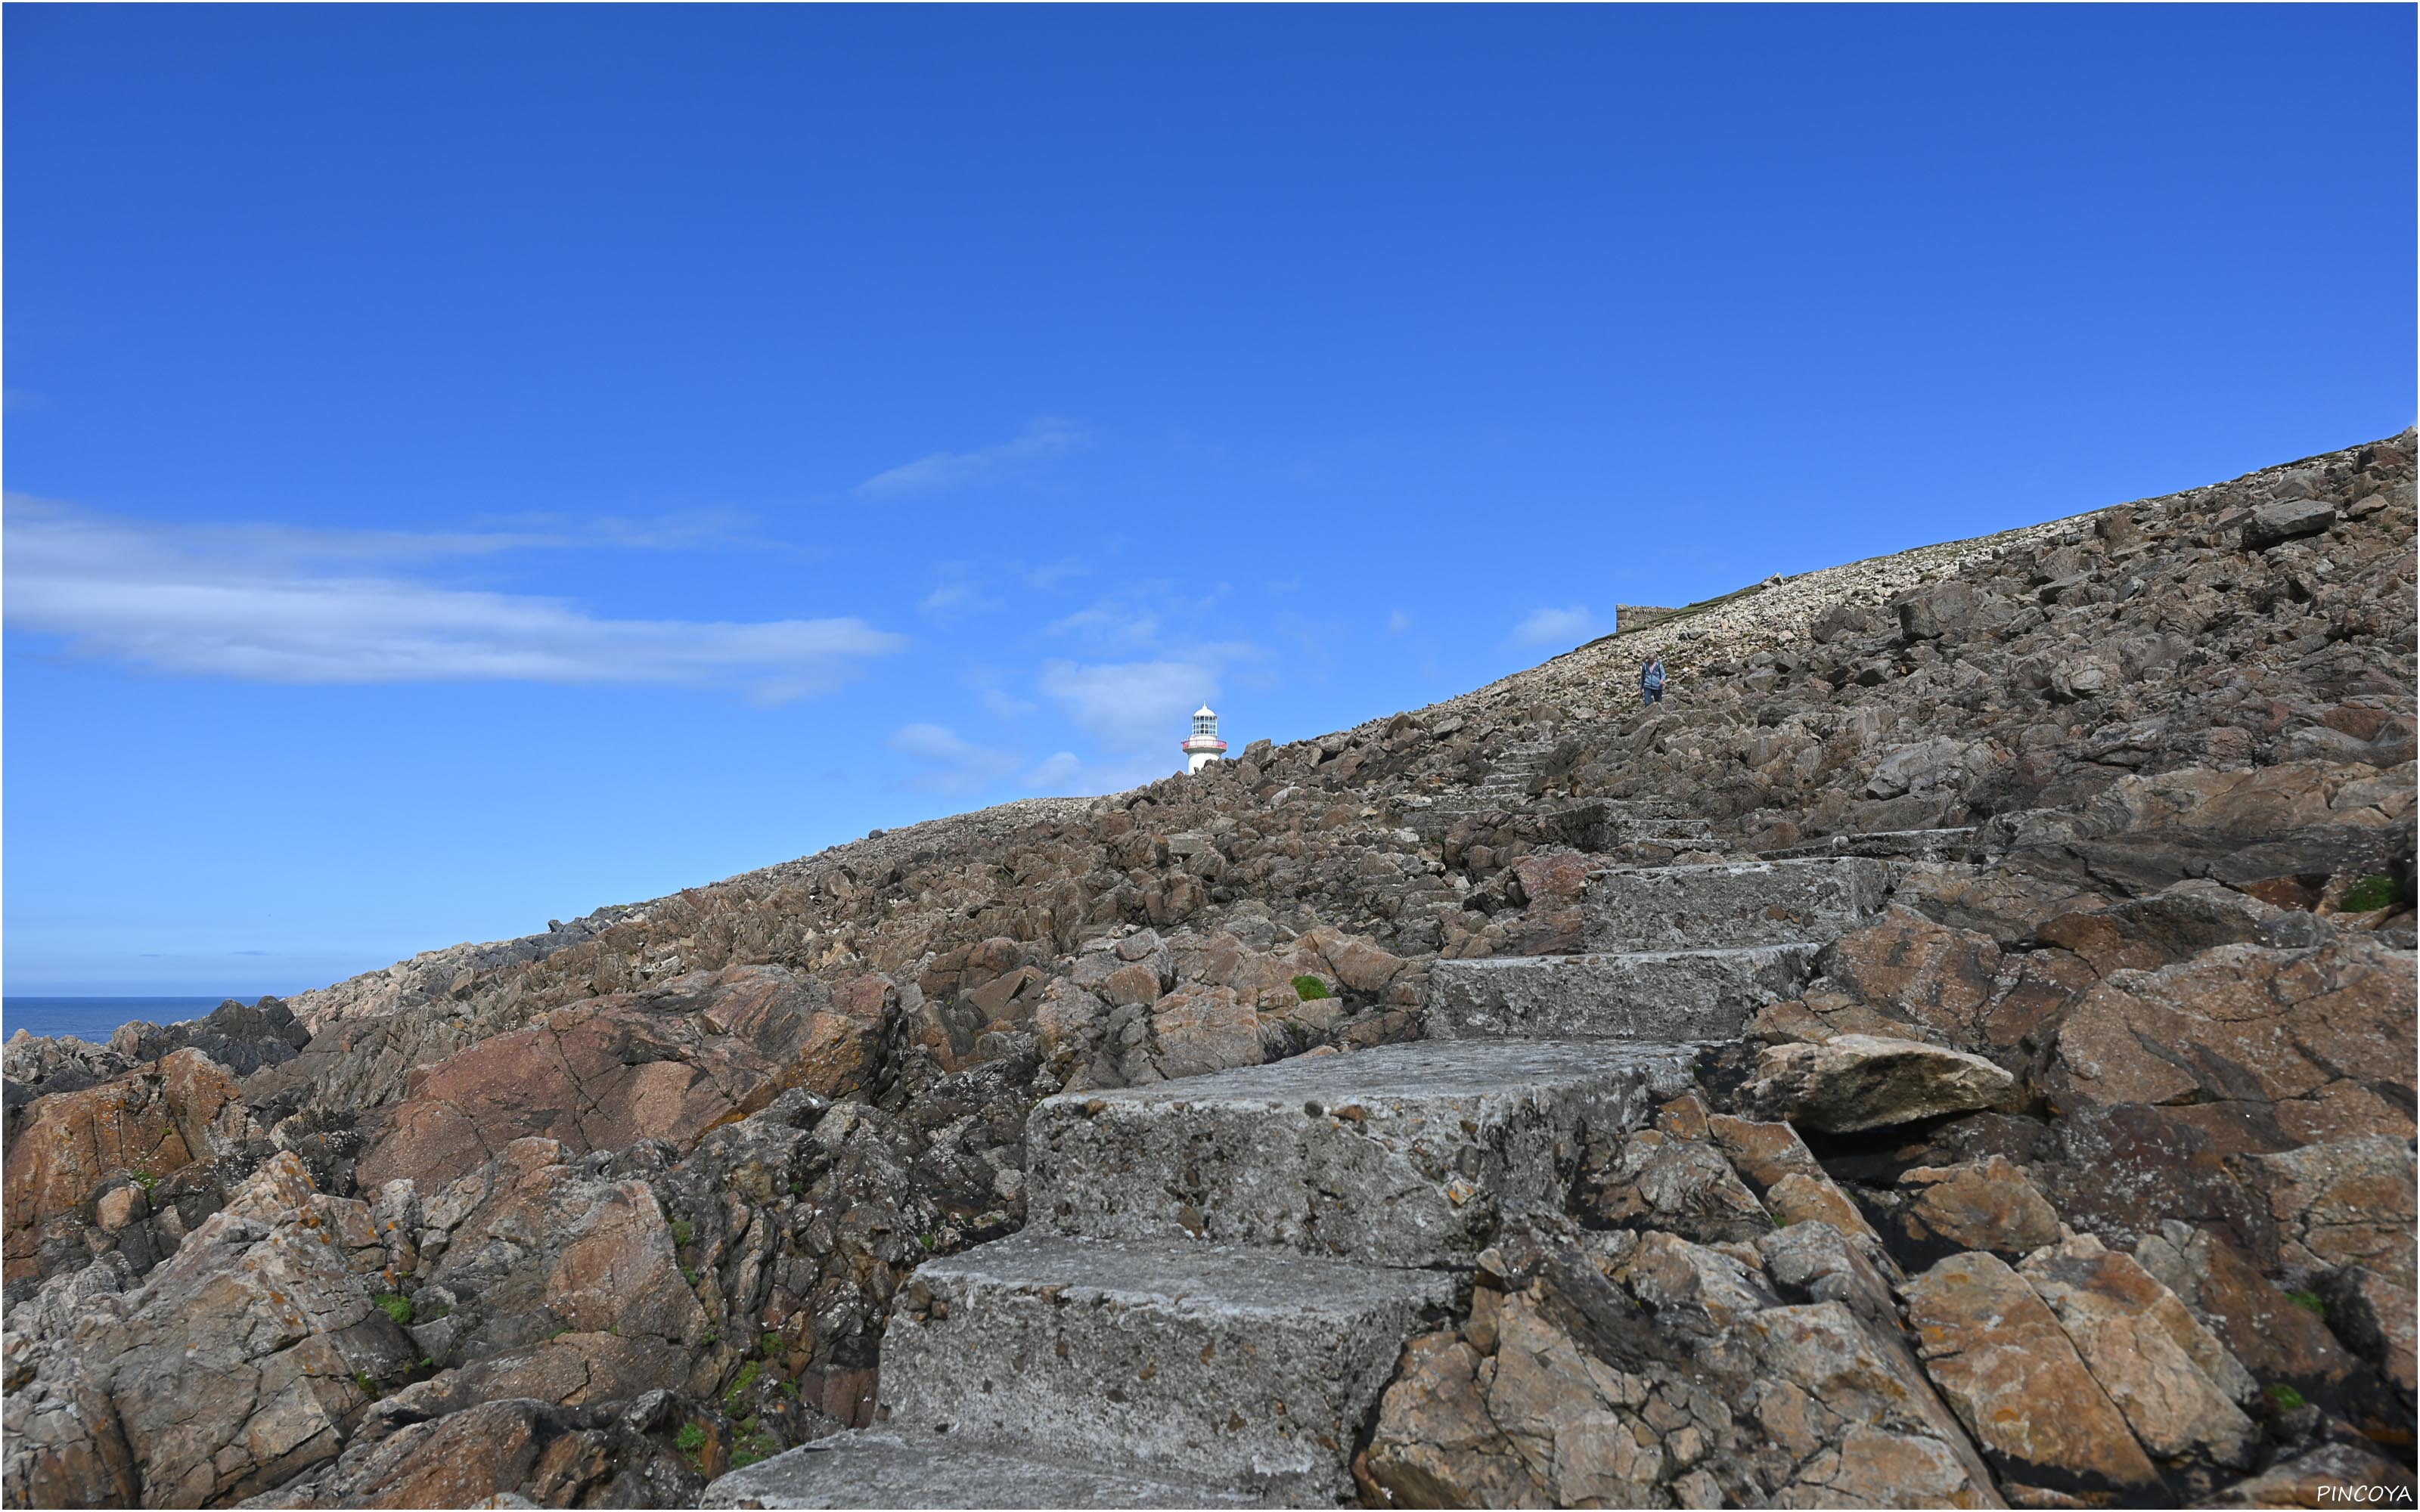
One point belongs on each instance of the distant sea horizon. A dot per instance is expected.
(96, 1018)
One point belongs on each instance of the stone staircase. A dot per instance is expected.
(1504, 789)
(1219, 1274)
(1898, 844)
(1610, 822)
(1507, 783)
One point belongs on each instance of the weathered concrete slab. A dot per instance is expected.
(870, 1469)
(1664, 826)
(1731, 903)
(1250, 1369)
(1665, 809)
(1647, 996)
(1406, 1154)
(1895, 844)
(1662, 816)
(1650, 845)
(1578, 823)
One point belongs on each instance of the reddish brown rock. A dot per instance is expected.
(1829, 1375)
(2375, 1317)
(1009, 998)
(1204, 1030)
(1552, 922)
(544, 1455)
(570, 1369)
(1685, 1117)
(602, 1075)
(2345, 1203)
(2337, 1474)
(1921, 971)
(1763, 1152)
(540, 1247)
(2028, 1014)
(245, 1359)
(2149, 831)
(1825, 1015)
(1435, 1444)
(2177, 1384)
(1999, 1355)
(1794, 1186)
(2120, 1172)
(1134, 983)
(2293, 1035)
(2275, 1340)
(1361, 965)
(1656, 1180)
(1985, 1205)
(1857, 1081)
(1801, 1199)
(183, 1108)
(2174, 924)
(835, 1057)
(119, 1208)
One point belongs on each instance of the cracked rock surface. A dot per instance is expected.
(1957, 1049)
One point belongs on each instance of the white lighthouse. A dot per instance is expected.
(1204, 746)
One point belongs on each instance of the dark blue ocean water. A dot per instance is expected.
(96, 1018)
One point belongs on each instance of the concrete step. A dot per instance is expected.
(1655, 826)
(1731, 903)
(1441, 816)
(1653, 997)
(1253, 1370)
(1406, 1154)
(1680, 824)
(1897, 844)
(867, 1468)
(1648, 808)
(1669, 850)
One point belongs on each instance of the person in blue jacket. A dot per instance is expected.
(1651, 681)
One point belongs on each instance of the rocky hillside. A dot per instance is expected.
(2081, 1148)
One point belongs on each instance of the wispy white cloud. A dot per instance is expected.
(959, 588)
(1110, 626)
(954, 764)
(1398, 622)
(276, 605)
(1134, 707)
(1001, 706)
(940, 472)
(1315, 642)
(1140, 616)
(1553, 626)
(680, 530)
(970, 586)
(1055, 774)
(1067, 775)
(1049, 575)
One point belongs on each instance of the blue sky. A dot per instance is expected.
(468, 464)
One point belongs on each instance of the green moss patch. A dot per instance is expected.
(2368, 895)
(739, 1383)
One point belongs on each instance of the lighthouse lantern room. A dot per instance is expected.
(1204, 746)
